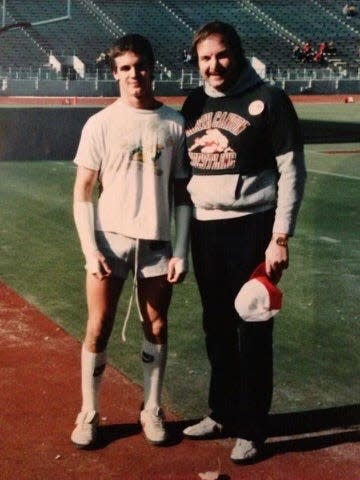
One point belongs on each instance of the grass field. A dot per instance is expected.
(336, 112)
(317, 360)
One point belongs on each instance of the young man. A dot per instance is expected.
(133, 150)
(246, 153)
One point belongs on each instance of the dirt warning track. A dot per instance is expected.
(39, 398)
(172, 101)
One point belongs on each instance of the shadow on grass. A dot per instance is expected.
(304, 431)
(313, 421)
(313, 429)
(310, 443)
(320, 131)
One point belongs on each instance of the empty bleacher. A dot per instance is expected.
(269, 30)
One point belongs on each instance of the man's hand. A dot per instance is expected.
(97, 265)
(276, 258)
(176, 270)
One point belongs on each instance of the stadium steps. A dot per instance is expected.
(268, 30)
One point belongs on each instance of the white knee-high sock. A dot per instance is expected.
(153, 358)
(92, 369)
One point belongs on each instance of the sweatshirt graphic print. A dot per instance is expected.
(245, 153)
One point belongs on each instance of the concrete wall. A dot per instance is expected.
(58, 88)
(41, 133)
(53, 133)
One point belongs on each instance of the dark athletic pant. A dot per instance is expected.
(225, 253)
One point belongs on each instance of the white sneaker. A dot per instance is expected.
(152, 422)
(244, 451)
(206, 428)
(84, 434)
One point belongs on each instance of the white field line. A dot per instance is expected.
(340, 175)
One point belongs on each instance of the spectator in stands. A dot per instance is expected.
(103, 58)
(308, 53)
(102, 63)
(320, 55)
(330, 50)
(186, 56)
(246, 152)
(133, 150)
(349, 10)
(298, 53)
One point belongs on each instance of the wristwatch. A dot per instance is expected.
(282, 241)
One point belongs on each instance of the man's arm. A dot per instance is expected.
(83, 210)
(178, 264)
(287, 142)
(291, 184)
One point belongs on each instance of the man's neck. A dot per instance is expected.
(143, 103)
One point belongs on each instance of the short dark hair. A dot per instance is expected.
(132, 42)
(227, 31)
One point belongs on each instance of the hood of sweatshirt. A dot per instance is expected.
(248, 78)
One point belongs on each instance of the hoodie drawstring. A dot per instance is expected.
(134, 291)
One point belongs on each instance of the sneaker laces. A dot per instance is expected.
(87, 418)
(157, 418)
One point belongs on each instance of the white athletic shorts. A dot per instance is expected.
(149, 258)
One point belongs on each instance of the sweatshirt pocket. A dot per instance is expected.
(215, 191)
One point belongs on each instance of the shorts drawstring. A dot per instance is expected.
(134, 290)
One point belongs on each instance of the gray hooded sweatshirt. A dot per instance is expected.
(245, 150)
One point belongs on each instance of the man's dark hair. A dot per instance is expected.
(132, 42)
(228, 33)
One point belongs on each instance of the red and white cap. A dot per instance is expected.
(259, 299)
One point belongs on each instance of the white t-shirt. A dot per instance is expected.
(138, 153)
